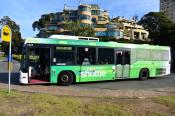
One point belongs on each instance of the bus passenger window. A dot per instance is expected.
(86, 61)
(105, 56)
(127, 58)
(64, 55)
(119, 58)
(86, 56)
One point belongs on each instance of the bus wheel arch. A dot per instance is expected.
(65, 78)
(144, 74)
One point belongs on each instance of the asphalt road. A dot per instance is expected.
(160, 82)
(4, 72)
(167, 82)
(4, 66)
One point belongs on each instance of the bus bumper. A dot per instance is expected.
(23, 79)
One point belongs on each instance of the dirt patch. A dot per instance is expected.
(74, 91)
(147, 106)
(136, 106)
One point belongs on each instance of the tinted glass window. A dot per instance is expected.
(123, 57)
(86, 56)
(64, 55)
(119, 57)
(127, 58)
(105, 56)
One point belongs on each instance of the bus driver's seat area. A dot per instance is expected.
(86, 61)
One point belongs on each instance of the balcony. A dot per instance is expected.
(84, 17)
(85, 21)
(82, 8)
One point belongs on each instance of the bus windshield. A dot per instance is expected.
(24, 61)
(30, 57)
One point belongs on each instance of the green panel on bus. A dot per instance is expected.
(85, 73)
(107, 60)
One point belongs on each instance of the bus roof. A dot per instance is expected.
(70, 37)
(92, 43)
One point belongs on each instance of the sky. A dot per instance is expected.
(25, 12)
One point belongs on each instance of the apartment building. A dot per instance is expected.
(123, 28)
(168, 7)
(92, 14)
(86, 14)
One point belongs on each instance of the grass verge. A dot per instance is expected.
(168, 101)
(1, 57)
(37, 104)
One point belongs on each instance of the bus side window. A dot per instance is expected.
(86, 61)
(106, 56)
(127, 58)
(86, 56)
(64, 55)
(119, 58)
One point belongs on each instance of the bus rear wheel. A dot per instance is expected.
(144, 74)
(65, 78)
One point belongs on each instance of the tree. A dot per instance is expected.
(161, 28)
(45, 19)
(16, 36)
(78, 29)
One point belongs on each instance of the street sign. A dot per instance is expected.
(6, 33)
(10, 66)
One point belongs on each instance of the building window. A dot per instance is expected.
(94, 20)
(73, 18)
(101, 34)
(84, 8)
(101, 18)
(60, 19)
(73, 13)
(96, 12)
(113, 33)
(86, 17)
(94, 6)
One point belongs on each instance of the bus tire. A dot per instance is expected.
(144, 74)
(65, 78)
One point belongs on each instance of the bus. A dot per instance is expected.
(67, 61)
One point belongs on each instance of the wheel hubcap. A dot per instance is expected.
(144, 74)
(64, 78)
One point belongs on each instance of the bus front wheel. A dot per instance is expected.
(144, 74)
(65, 78)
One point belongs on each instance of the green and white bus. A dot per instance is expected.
(66, 61)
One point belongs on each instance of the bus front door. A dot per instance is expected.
(122, 64)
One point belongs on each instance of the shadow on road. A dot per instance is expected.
(14, 78)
